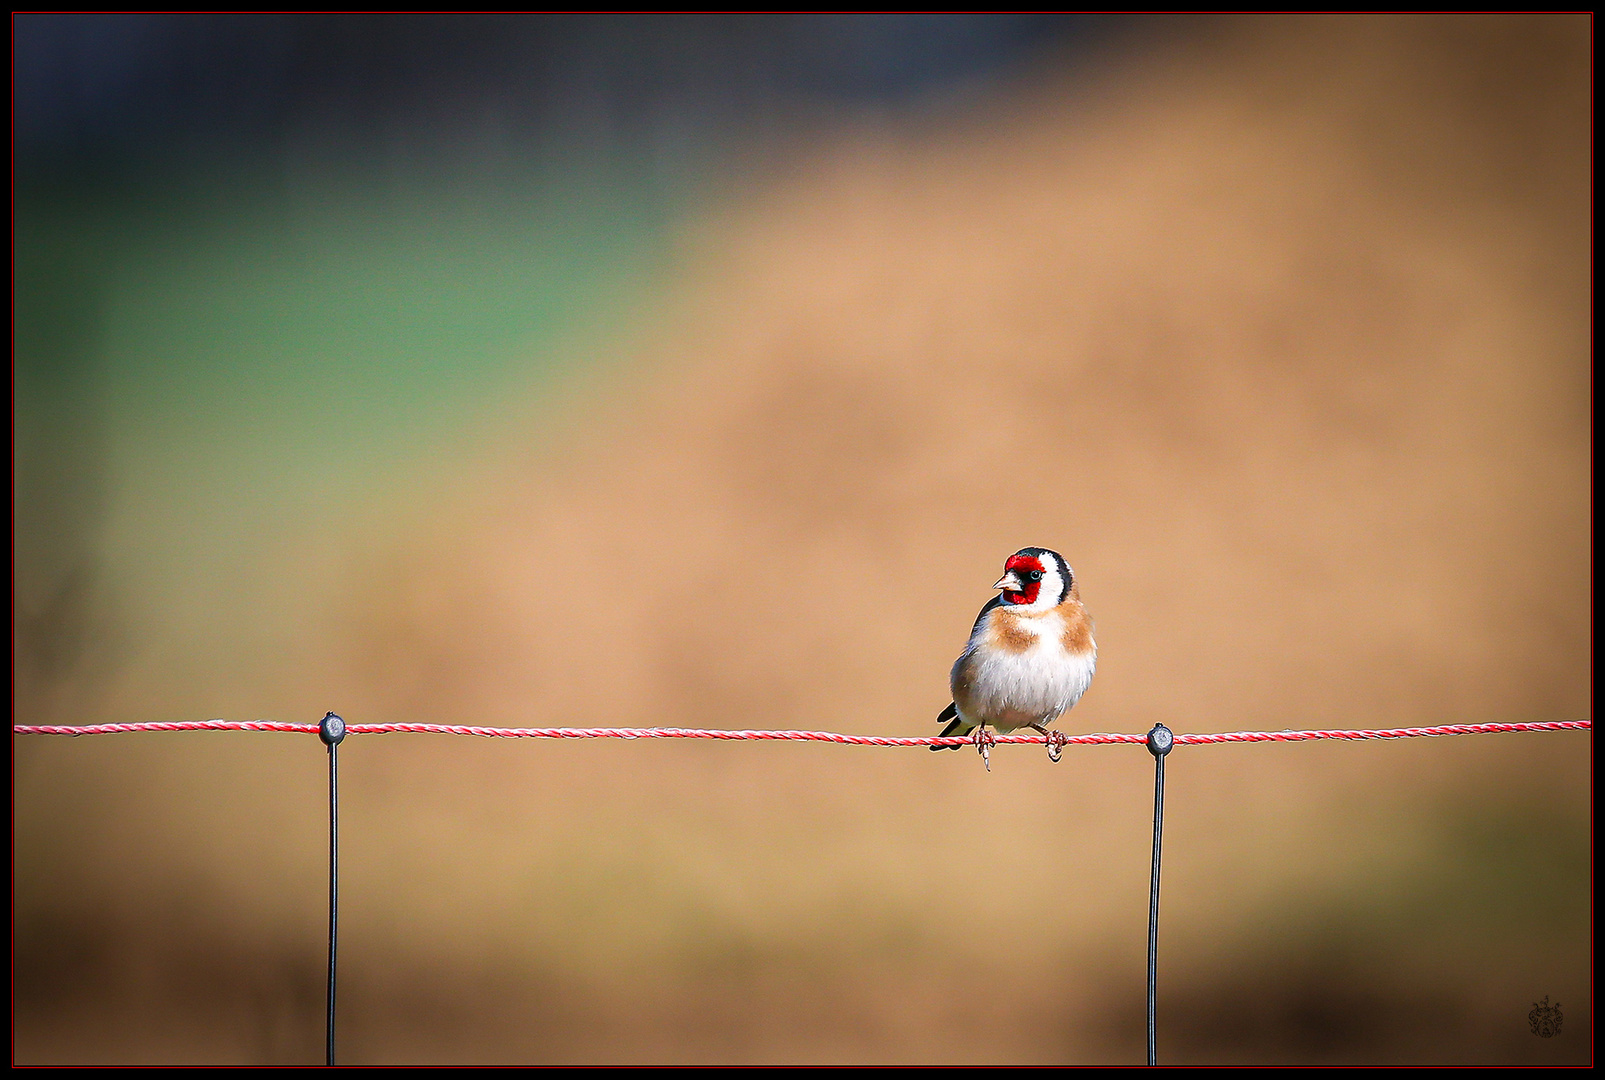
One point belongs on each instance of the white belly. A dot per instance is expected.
(1009, 690)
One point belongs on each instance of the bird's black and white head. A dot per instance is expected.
(1035, 580)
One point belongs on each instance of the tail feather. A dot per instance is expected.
(955, 726)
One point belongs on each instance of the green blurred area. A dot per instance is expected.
(283, 335)
(203, 373)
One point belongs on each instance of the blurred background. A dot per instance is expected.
(704, 371)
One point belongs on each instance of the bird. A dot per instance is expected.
(1031, 653)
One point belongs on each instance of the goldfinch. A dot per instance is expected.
(1030, 655)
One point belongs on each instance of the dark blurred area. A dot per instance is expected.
(346, 347)
(131, 90)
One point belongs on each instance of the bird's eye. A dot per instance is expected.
(1035, 575)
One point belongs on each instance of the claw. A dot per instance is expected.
(984, 742)
(1057, 741)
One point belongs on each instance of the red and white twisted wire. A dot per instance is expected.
(794, 736)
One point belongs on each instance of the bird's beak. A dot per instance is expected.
(1011, 582)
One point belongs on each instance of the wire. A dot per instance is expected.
(794, 736)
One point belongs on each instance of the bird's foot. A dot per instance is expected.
(984, 742)
(1057, 741)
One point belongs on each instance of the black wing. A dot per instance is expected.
(950, 717)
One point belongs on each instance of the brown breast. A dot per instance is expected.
(1077, 636)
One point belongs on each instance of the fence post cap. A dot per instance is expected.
(331, 729)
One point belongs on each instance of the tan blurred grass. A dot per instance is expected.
(1278, 329)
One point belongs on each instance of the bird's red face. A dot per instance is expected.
(1021, 580)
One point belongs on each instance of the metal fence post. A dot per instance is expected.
(331, 729)
(1160, 740)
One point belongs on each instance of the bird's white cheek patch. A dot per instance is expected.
(1044, 594)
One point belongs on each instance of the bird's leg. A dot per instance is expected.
(984, 742)
(1056, 742)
